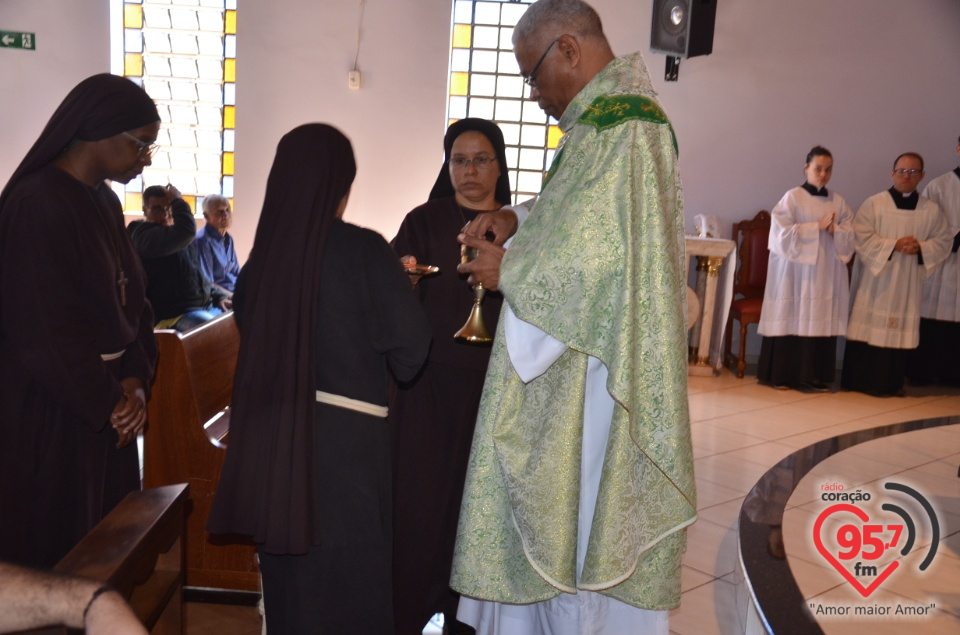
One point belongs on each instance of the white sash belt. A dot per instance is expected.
(352, 404)
(109, 357)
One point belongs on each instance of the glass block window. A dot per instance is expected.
(485, 82)
(183, 52)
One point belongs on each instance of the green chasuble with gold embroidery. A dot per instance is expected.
(599, 266)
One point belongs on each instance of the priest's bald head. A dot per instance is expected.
(560, 47)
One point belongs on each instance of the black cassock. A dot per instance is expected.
(65, 259)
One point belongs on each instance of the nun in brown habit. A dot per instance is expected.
(432, 418)
(325, 312)
(76, 340)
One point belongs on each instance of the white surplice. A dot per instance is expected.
(887, 284)
(941, 291)
(807, 293)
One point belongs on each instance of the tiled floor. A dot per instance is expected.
(740, 429)
(925, 460)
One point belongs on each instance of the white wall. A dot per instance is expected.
(867, 78)
(292, 62)
(32, 83)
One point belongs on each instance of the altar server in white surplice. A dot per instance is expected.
(901, 237)
(935, 360)
(807, 296)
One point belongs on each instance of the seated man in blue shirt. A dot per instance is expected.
(181, 295)
(218, 260)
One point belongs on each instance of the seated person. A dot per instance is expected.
(176, 287)
(218, 260)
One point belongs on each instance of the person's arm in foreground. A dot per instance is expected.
(29, 599)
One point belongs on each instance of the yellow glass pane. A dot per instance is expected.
(191, 200)
(459, 83)
(229, 117)
(229, 70)
(228, 164)
(461, 36)
(230, 23)
(132, 16)
(553, 136)
(133, 65)
(133, 202)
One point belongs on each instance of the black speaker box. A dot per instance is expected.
(683, 28)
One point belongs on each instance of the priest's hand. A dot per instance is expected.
(907, 245)
(501, 225)
(130, 414)
(485, 268)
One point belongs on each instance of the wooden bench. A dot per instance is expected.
(138, 549)
(185, 441)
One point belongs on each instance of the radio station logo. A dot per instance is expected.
(857, 548)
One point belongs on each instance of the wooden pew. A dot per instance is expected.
(185, 441)
(138, 549)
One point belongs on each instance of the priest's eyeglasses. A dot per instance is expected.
(481, 162)
(145, 149)
(531, 79)
(903, 172)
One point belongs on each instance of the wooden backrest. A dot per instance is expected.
(185, 441)
(211, 353)
(138, 549)
(753, 254)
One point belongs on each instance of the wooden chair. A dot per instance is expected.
(138, 549)
(751, 237)
(185, 442)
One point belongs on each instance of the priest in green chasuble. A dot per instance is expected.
(580, 482)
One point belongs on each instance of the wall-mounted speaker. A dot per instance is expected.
(683, 28)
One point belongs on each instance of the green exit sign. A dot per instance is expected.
(18, 40)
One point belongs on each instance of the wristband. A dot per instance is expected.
(106, 588)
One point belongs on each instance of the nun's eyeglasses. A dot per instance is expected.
(481, 162)
(145, 149)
